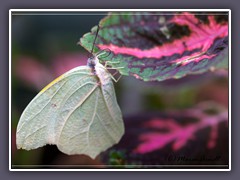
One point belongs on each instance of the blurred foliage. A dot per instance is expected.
(118, 159)
(190, 136)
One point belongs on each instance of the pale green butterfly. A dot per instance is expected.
(78, 112)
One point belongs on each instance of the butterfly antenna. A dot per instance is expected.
(95, 38)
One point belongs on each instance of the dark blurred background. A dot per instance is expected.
(45, 46)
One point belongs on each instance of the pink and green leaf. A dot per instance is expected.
(159, 46)
(187, 136)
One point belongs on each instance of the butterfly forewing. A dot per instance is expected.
(35, 127)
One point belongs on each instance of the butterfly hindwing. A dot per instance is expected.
(95, 123)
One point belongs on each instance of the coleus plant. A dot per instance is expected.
(195, 135)
(157, 46)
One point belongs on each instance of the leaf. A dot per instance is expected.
(177, 134)
(36, 74)
(199, 133)
(159, 46)
(39, 74)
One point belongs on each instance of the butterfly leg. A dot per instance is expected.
(109, 63)
(100, 53)
(114, 79)
(112, 75)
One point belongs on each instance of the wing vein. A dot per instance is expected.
(110, 135)
(42, 108)
(108, 108)
(78, 105)
(32, 133)
(92, 120)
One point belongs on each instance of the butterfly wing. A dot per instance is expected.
(73, 113)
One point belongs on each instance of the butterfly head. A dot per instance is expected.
(92, 61)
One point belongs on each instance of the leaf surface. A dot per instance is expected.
(197, 135)
(159, 46)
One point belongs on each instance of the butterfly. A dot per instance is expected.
(78, 112)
